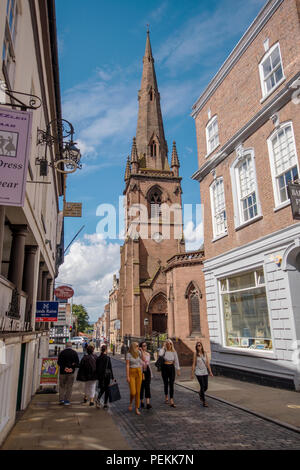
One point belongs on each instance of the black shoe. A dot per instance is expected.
(84, 400)
(105, 407)
(142, 404)
(149, 406)
(92, 403)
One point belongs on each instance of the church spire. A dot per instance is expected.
(175, 161)
(127, 171)
(150, 136)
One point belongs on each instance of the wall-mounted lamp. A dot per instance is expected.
(69, 156)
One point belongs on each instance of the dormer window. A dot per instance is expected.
(153, 149)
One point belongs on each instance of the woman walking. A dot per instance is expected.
(104, 375)
(134, 375)
(168, 369)
(201, 368)
(88, 374)
(147, 375)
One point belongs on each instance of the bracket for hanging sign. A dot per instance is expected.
(33, 101)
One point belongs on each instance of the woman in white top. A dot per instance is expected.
(201, 368)
(168, 369)
(134, 366)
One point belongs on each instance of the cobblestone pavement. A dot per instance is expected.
(189, 426)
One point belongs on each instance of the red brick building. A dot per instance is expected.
(248, 135)
(155, 290)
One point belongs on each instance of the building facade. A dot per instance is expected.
(31, 240)
(248, 136)
(114, 314)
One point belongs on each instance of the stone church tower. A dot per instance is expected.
(155, 185)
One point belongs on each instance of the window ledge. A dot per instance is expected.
(212, 151)
(265, 97)
(249, 222)
(219, 237)
(249, 352)
(282, 206)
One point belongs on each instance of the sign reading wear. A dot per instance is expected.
(49, 372)
(15, 131)
(46, 311)
(294, 195)
(72, 209)
(64, 292)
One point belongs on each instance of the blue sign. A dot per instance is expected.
(46, 311)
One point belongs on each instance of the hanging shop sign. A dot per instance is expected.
(46, 311)
(15, 131)
(294, 195)
(63, 292)
(72, 209)
(49, 372)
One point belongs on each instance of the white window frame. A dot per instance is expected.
(236, 192)
(278, 203)
(265, 92)
(217, 234)
(210, 149)
(252, 352)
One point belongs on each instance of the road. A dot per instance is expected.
(192, 427)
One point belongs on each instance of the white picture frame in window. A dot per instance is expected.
(278, 203)
(265, 92)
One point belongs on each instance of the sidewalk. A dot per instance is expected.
(274, 403)
(46, 425)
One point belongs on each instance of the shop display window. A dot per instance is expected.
(245, 311)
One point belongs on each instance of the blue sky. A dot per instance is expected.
(101, 46)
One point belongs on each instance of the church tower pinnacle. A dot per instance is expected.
(151, 144)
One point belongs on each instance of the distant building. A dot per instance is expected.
(114, 312)
(248, 133)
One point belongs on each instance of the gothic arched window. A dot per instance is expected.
(154, 199)
(193, 295)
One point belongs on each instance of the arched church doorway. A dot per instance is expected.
(158, 311)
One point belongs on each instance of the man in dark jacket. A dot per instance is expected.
(104, 375)
(68, 360)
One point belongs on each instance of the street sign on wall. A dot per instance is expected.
(72, 209)
(294, 195)
(64, 292)
(15, 132)
(46, 311)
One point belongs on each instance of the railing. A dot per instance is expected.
(12, 307)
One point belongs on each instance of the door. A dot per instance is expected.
(159, 322)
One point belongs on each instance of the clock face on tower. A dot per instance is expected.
(157, 237)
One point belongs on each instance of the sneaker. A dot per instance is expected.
(61, 402)
(149, 406)
(98, 404)
(67, 403)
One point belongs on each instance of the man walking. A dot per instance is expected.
(68, 360)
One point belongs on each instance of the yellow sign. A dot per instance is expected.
(72, 209)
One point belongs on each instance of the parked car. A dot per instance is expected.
(77, 340)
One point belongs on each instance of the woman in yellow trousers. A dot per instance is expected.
(134, 375)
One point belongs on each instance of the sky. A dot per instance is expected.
(101, 46)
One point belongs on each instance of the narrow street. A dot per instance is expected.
(192, 427)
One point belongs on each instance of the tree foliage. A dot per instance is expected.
(82, 317)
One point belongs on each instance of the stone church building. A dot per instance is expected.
(161, 286)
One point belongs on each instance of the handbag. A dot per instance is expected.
(159, 363)
(114, 392)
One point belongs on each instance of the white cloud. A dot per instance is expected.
(89, 267)
(193, 236)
